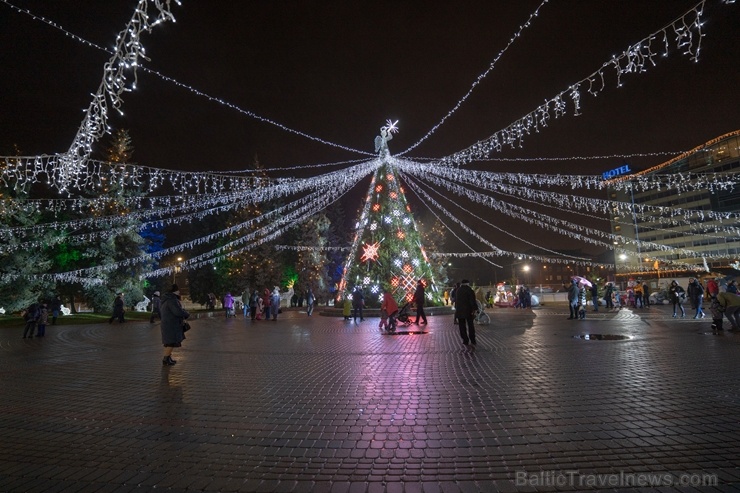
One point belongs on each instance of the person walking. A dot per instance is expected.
(388, 312)
(582, 302)
(730, 303)
(245, 302)
(275, 302)
(118, 309)
(56, 308)
(677, 295)
(466, 307)
(713, 287)
(608, 293)
(573, 292)
(696, 295)
(358, 301)
(347, 307)
(228, 303)
(43, 320)
(173, 320)
(156, 305)
(31, 317)
(646, 295)
(310, 301)
(638, 295)
(266, 304)
(419, 296)
(253, 304)
(595, 296)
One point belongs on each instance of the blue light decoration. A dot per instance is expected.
(613, 173)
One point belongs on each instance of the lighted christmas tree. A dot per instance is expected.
(387, 252)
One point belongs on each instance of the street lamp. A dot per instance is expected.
(176, 270)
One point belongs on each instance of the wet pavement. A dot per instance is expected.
(321, 404)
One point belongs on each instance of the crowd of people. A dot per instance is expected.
(723, 299)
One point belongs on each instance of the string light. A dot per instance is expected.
(487, 181)
(546, 222)
(502, 230)
(478, 79)
(125, 59)
(685, 33)
(172, 81)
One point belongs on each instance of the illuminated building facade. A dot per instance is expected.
(707, 236)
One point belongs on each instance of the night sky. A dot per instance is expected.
(339, 70)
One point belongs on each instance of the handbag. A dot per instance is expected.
(185, 326)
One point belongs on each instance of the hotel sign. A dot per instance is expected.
(613, 173)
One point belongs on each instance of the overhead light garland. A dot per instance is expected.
(684, 34)
(125, 58)
(180, 84)
(479, 78)
(278, 222)
(546, 222)
(501, 230)
(569, 202)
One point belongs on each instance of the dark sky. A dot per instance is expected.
(338, 70)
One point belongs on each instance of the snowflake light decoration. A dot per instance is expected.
(370, 252)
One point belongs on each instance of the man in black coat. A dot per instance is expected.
(419, 300)
(465, 308)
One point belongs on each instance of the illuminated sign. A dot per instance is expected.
(613, 173)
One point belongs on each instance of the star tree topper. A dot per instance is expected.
(386, 134)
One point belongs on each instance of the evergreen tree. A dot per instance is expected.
(434, 239)
(125, 244)
(20, 265)
(311, 262)
(337, 235)
(259, 267)
(388, 252)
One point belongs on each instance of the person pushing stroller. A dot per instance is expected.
(388, 313)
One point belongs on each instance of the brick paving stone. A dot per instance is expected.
(313, 404)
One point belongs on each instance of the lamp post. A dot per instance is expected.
(176, 270)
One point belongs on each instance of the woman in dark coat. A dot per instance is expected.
(118, 309)
(676, 294)
(173, 318)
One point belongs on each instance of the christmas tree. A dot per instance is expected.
(387, 253)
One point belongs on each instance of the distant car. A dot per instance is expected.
(541, 289)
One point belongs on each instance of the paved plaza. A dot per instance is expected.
(321, 404)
